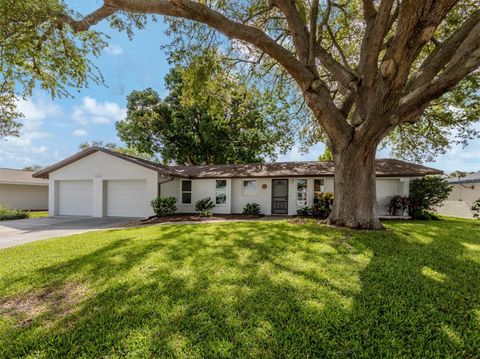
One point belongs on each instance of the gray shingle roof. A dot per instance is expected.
(385, 168)
(13, 176)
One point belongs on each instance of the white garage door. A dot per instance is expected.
(75, 198)
(386, 188)
(126, 198)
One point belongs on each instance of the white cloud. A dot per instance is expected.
(114, 50)
(93, 112)
(80, 132)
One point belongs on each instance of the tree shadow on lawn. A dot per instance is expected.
(266, 290)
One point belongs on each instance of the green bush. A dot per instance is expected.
(425, 193)
(204, 207)
(7, 213)
(397, 205)
(476, 209)
(322, 205)
(252, 209)
(164, 206)
(304, 212)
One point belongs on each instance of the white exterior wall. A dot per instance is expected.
(24, 196)
(201, 188)
(460, 200)
(101, 167)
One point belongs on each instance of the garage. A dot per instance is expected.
(385, 189)
(126, 198)
(75, 198)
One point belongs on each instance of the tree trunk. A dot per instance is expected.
(354, 204)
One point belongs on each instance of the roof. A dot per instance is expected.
(23, 177)
(469, 178)
(385, 168)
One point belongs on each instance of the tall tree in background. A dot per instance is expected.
(366, 69)
(209, 117)
(114, 147)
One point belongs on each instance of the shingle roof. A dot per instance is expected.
(385, 168)
(13, 176)
(469, 178)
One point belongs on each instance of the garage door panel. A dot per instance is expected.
(126, 198)
(75, 198)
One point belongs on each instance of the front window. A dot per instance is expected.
(221, 192)
(186, 192)
(318, 188)
(249, 187)
(301, 192)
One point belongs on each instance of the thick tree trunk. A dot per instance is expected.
(354, 204)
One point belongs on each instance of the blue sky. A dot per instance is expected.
(53, 129)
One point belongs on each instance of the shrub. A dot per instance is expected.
(304, 212)
(476, 209)
(322, 206)
(7, 213)
(397, 205)
(204, 207)
(252, 209)
(425, 193)
(164, 206)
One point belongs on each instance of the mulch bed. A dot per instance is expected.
(187, 217)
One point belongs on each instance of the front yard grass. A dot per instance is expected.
(38, 214)
(250, 289)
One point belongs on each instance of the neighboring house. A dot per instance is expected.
(465, 191)
(99, 182)
(19, 190)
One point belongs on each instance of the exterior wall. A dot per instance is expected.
(24, 196)
(201, 188)
(460, 201)
(101, 167)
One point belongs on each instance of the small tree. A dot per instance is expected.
(426, 193)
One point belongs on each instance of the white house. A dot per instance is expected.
(99, 182)
(465, 190)
(19, 190)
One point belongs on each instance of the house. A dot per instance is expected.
(465, 190)
(19, 190)
(99, 182)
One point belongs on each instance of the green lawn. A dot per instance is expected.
(38, 214)
(251, 289)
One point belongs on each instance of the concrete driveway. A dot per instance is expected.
(13, 233)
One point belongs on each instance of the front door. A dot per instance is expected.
(280, 196)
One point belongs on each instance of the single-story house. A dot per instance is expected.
(19, 190)
(465, 190)
(99, 182)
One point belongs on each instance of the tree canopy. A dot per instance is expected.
(208, 117)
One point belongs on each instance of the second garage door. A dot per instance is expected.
(126, 198)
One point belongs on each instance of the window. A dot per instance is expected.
(221, 192)
(249, 187)
(318, 188)
(301, 192)
(186, 192)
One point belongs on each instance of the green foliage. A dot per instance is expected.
(7, 213)
(476, 209)
(397, 205)
(204, 207)
(37, 51)
(326, 156)
(426, 193)
(322, 205)
(252, 209)
(209, 117)
(164, 206)
(33, 168)
(304, 212)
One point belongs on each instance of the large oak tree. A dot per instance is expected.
(364, 68)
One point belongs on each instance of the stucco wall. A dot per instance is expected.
(24, 196)
(460, 200)
(101, 167)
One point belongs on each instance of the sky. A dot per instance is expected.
(54, 128)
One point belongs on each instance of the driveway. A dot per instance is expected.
(13, 233)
